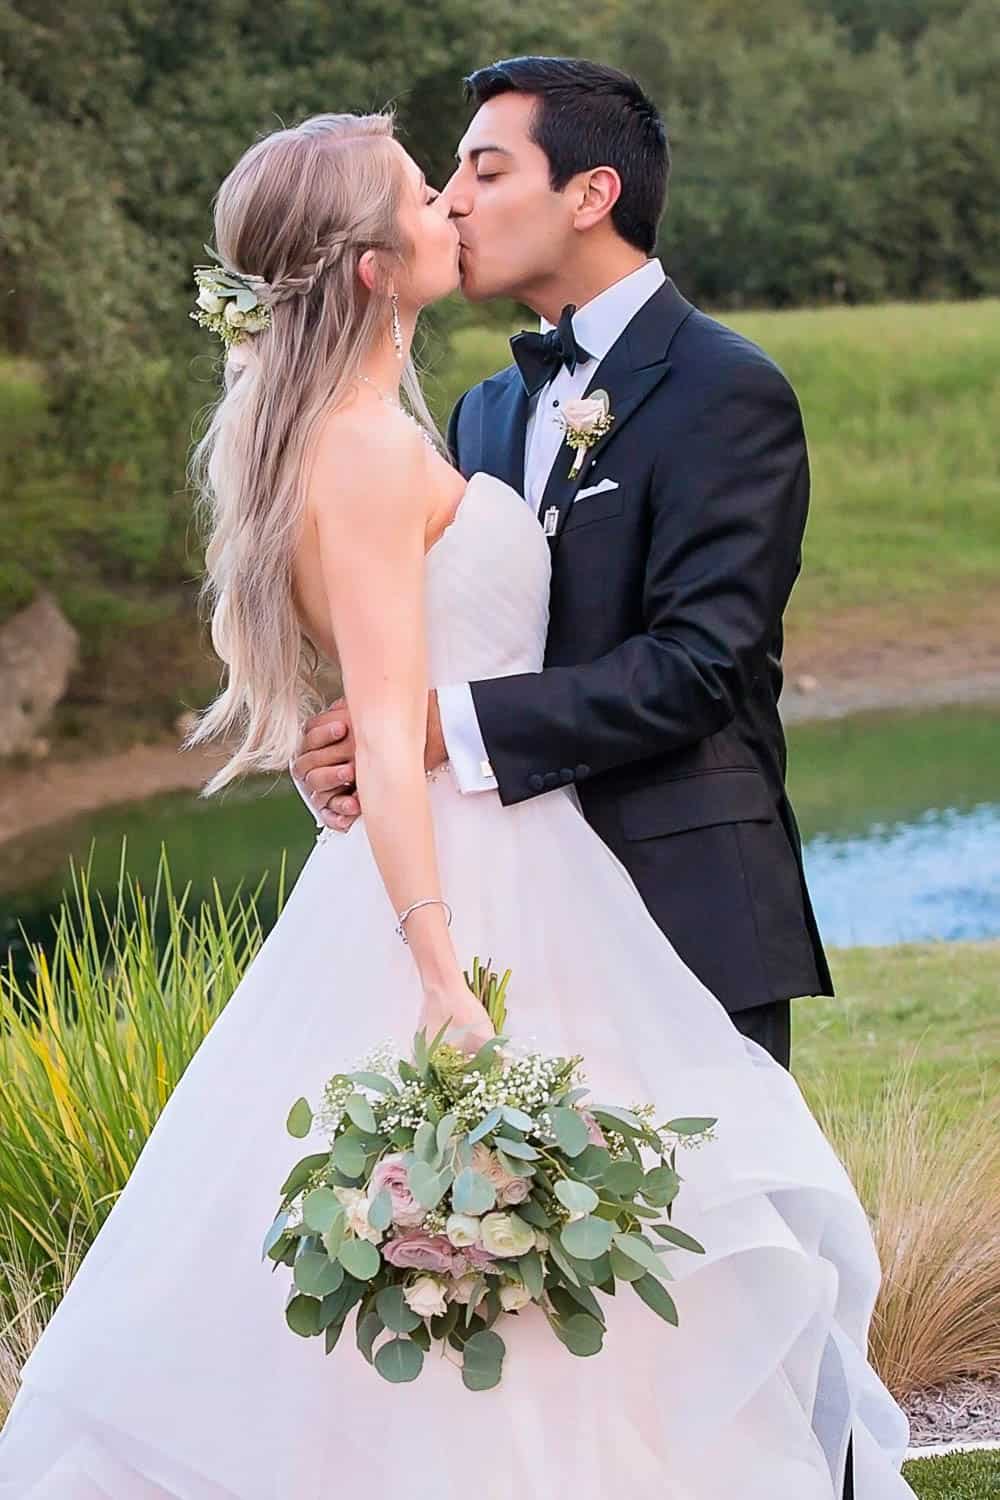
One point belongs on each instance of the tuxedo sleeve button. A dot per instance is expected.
(535, 782)
(550, 779)
(582, 771)
(566, 775)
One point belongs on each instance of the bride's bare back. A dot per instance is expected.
(343, 466)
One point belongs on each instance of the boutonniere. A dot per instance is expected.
(584, 423)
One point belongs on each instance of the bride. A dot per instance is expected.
(340, 530)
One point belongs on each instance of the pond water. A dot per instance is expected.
(900, 815)
(901, 820)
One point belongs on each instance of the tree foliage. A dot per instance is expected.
(824, 150)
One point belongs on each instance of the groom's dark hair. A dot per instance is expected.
(590, 115)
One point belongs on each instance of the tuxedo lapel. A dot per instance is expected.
(504, 423)
(631, 369)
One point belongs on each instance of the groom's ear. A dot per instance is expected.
(595, 193)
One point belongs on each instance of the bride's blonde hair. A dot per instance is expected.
(299, 209)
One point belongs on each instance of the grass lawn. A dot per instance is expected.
(902, 404)
(935, 1006)
(959, 1476)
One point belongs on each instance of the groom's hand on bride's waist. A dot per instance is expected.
(324, 767)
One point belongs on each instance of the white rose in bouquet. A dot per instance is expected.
(233, 315)
(462, 1230)
(506, 1235)
(464, 1288)
(356, 1206)
(513, 1296)
(426, 1297)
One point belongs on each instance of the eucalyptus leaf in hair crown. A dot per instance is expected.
(232, 305)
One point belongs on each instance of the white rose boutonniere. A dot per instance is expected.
(584, 423)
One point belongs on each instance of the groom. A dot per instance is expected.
(675, 543)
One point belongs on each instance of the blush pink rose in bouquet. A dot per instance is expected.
(595, 1134)
(392, 1175)
(421, 1252)
(508, 1188)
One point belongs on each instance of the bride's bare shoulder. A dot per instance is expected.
(369, 457)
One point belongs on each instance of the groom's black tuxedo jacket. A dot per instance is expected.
(663, 662)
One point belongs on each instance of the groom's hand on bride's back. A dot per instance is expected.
(324, 767)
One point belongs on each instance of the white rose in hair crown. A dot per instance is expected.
(230, 304)
(585, 422)
(449, 1194)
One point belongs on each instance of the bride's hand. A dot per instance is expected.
(468, 1024)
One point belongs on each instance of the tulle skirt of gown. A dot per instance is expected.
(168, 1372)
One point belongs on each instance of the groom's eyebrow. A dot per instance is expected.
(478, 151)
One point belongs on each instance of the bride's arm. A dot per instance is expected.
(366, 494)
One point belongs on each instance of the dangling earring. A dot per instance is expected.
(397, 330)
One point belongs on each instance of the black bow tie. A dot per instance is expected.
(539, 356)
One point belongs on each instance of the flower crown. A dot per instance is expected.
(230, 304)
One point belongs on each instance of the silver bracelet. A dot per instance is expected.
(428, 901)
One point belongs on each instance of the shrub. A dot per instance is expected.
(931, 1186)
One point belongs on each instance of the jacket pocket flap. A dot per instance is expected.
(600, 506)
(695, 802)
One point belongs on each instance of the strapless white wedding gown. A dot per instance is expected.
(168, 1373)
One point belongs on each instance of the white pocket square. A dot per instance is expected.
(596, 489)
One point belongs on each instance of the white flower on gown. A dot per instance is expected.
(168, 1372)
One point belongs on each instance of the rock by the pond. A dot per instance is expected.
(38, 651)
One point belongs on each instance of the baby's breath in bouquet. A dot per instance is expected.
(453, 1191)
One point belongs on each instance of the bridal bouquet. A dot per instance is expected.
(457, 1190)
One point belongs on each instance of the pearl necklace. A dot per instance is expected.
(397, 406)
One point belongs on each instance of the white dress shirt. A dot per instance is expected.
(597, 326)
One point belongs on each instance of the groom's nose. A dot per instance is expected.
(455, 198)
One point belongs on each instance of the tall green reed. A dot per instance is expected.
(93, 1043)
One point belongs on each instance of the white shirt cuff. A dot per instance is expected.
(463, 740)
(305, 796)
